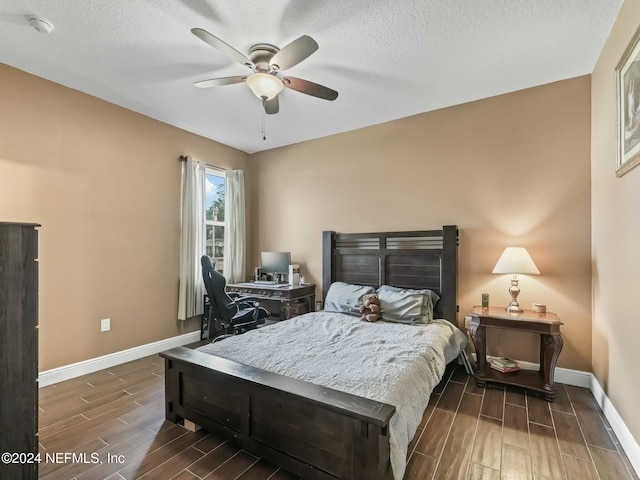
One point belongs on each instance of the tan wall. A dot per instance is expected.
(509, 170)
(616, 229)
(104, 182)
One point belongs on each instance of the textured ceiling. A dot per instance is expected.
(387, 59)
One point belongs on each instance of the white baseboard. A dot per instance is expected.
(66, 372)
(629, 444)
(577, 378)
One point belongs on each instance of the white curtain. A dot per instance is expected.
(192, 239)
(234, 229)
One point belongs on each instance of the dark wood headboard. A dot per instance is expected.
(420, 259)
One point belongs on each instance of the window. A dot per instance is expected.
(214, 215)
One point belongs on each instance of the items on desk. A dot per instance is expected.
(294, 275)
(265, 282)
(274, 265)
(276, 268)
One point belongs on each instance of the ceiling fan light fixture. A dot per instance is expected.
(264, 85)
(40, 24)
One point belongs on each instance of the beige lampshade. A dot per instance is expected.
(516, 260)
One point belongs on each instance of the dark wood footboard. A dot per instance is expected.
(313, 431)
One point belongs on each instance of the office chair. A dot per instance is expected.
(235, 314)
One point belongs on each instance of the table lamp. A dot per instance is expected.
(515, 260)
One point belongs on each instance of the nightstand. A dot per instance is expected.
(547, 325)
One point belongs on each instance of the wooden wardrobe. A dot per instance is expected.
(19, 350)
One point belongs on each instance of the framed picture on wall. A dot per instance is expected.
(628, 100)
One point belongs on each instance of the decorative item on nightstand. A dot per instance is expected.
(485, 300)
(515, 260)
(539, 308)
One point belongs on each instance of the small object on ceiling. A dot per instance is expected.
(267, 61)
(41, 25)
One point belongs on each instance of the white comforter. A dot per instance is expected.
(387, 362)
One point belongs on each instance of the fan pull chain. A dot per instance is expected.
(264, 132)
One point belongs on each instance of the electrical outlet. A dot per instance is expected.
(467, 322)
(105, 324)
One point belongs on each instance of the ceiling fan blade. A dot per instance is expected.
(293, 53)
(310, 88)
(218, 82)
(223, 47)
(271, 106)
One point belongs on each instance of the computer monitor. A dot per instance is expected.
(275, 262)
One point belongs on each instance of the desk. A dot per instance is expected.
(294, 301)
(547, 325)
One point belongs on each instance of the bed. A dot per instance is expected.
(312, 419)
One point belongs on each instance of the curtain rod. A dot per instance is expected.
(183, 158)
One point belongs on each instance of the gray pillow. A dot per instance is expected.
(405, 305)
(346, 297)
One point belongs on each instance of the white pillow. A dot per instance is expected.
(346, 297)
(404, 305)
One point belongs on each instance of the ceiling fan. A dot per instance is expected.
(267, 61)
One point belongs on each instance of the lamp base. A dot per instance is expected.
(514, 291)
(514, 309)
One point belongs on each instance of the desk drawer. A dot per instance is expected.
(298, 308)
(257, 292)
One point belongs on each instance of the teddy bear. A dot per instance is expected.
(370, 308)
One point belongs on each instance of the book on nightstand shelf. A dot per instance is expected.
(504, 365)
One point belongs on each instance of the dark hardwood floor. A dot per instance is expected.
(110, 425)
